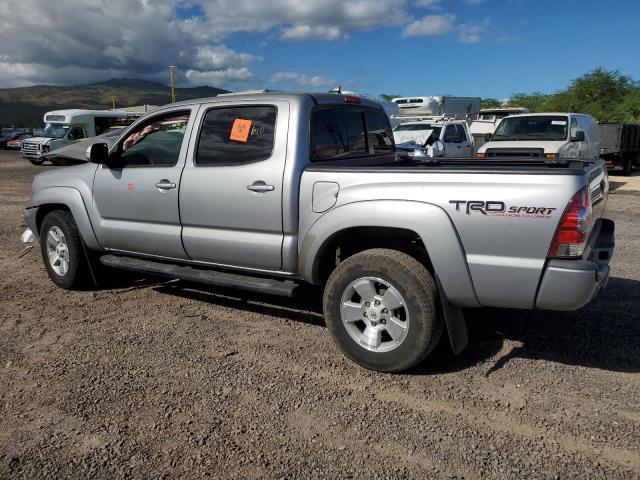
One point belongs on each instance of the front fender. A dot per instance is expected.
(71, 198)
(429, 222)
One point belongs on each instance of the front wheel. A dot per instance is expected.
(62, 251)
(382, 308)
(36, 161)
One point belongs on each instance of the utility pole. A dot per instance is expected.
(173, 82)
(113, 102)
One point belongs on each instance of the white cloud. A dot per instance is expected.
(62, 41)
(431, 25)
(327, 19)
(218, 77)
(472, 32)
(303, 80)
(431, 4)
(70, 41)
(220, 56)
(304, 32)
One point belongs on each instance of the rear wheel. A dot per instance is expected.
(62, 251)
(382, 308)
(627, 166)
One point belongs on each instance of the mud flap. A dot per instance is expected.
(454, 319)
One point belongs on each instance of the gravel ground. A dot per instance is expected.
(161, 379)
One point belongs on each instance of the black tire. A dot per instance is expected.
(417, 287)
(627, 166)
(77, 275)
(35, 161)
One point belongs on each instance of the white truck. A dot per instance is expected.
(442, 138)
(544, 135)
(63, 127)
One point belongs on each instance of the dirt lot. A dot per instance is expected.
(164, 380)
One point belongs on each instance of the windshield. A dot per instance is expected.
(542, 127)
(55, 131)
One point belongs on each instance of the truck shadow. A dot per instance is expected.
(603, 335)
(304, 308)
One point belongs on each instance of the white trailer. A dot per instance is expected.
(417, 108)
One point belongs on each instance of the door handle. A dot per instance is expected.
(165, 184)
(260, 187)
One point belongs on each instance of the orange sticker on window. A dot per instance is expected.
(240, 130)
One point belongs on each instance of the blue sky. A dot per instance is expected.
(489, 48)
(525, 46)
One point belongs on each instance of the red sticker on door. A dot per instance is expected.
(240, 130)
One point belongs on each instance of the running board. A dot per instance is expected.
(282, 288)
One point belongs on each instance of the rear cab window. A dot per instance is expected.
(342, 132)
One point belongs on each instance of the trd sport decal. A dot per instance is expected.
(499, 209)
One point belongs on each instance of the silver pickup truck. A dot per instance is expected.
(267, 191)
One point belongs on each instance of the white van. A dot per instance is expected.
(63, 127)
(549, 135)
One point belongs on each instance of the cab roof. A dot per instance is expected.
(323, 98)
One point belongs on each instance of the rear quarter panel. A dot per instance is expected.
(505, 252)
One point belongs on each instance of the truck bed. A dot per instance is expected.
(506, 248)
(508, 165)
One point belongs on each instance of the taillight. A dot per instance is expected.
(573, 231)
(351, 99)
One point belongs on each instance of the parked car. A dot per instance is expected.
(266, 192)
(16, 143)
(5, 139)
(544, 135)
(620, 145)
(433, 139)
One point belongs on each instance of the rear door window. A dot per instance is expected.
(236, 135)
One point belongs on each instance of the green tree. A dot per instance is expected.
(605, 94)
(535, 102)
(388, 97)
(490, 103)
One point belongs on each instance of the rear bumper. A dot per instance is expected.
(571, 284)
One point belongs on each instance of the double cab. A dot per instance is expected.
(268, 191)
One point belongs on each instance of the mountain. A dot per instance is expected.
(26, 106)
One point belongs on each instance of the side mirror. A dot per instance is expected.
(98, 153)
(487, 137)
(578, 137)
